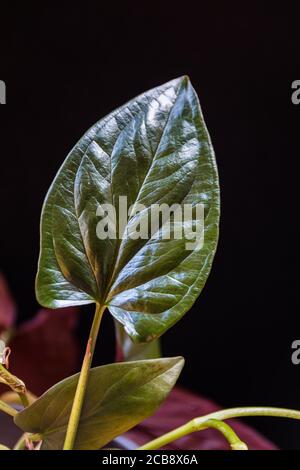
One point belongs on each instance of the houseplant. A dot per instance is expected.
(151, 157)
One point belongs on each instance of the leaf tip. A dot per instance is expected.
(178, 363)
(185, 79)
(182, 81)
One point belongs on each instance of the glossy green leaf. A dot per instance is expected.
(154, 149)
(118, 397)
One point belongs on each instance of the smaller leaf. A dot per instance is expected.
(118, 397)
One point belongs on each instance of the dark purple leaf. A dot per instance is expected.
(45, 349)
(7, 306)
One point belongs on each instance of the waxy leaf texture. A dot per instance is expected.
(155, 149)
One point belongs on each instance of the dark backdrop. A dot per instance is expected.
(66, 67)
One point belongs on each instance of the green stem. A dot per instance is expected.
(7, 409)
(229, 434)
(83, 380)
(24, 399)
(198, 424)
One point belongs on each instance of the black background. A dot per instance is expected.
(65, 67)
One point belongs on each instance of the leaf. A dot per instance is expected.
(153, 150)
(118, 397)
(126, 350)
(7, 306)
(45, 348)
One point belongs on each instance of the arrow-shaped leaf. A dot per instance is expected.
(153, 150)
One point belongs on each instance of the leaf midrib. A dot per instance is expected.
(120, 241)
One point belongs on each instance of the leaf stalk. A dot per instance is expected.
(7, 409)
(83, 380)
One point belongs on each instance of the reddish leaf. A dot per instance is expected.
(45, 350)
(7, 306)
